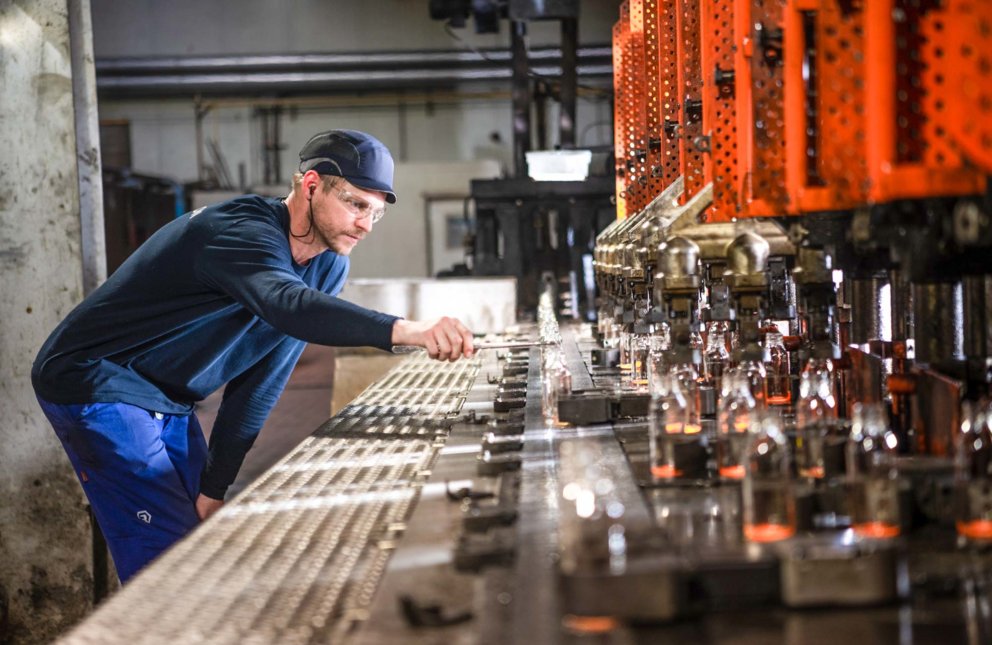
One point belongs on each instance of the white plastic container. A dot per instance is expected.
(558, 165)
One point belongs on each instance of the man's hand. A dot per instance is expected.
(207, 506)
(445, 339)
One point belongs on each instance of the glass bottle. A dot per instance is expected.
(624, 345)
(737, 407)
(696, 340)
(755, 374)
(769, 503)
(674, 430)
(640, 348)
(778, 385)
(973, 475)
(716, 358)
(556, 382)
(819, 441)
(874, 486)
(658, 345)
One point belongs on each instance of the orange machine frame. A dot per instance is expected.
(834, 104)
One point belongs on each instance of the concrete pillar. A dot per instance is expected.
(46, 561)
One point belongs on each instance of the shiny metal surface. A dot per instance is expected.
(870, 304)
(678, 257)
(297, 557)
(747, 254)
(938, 315)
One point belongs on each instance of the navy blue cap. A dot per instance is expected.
(357, 156)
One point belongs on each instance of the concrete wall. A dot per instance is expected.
(46, 579)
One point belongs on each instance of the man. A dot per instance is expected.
(228, 294)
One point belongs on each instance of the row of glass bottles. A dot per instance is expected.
(771, 381)
(872, 483)
(751, 445)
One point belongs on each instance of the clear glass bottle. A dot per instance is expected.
(716, 358)
(696, 340)
(769, 503)
(624, 345)
(778, 382)
(556, 382)
(973, 474)
(640, 348)
(820, 443)
(754, 372)
(611, 339)
(674, 430)
(658, 345)
(872, 476)
(737, 407)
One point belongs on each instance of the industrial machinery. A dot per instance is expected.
(778, 430)
(537, 231)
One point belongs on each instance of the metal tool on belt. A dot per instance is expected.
(515, 344)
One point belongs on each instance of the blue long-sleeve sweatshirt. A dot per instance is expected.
(213, 297)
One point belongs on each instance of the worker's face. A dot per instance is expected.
(344, 215)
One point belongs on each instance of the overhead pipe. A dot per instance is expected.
(171, 65)
(255, 83)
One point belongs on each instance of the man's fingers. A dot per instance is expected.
(468, 347)
(457, 342)
(448, 339)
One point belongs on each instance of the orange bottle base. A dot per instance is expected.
(665, 472)
(768, 532)
(732, 472)
(876, 529)
(976, 529)
(589, 624)
(813, 473)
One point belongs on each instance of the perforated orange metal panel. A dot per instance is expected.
(743, 100)
(765, 159)
(719, 110)
(668, 84)
(690, 86)
(825, 106)
(968, 61)
(620, 101)
(910, 151)
(654, 180)
(636, 82)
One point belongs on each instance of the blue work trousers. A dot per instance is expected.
(140, 471)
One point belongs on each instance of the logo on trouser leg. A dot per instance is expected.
(145, 517)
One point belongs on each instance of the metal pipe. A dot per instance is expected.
(316, 81)
(569, 81)
(868, 309)
(170, 65)
(939, 320)
(521, 97)
(200, 112)
(901, 296)
(276, 145)
(977, 316)
(88, 165)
